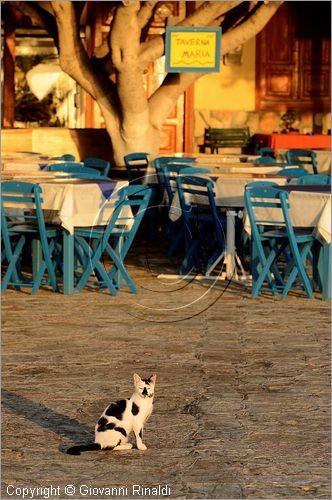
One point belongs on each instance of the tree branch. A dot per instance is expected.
(164, 98)
(73, 58)
(145, 13)
(75, 62)
(251, 27)
(207, 13)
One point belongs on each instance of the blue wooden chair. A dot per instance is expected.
(136, 166)
(71, 167)
(167, 172)
(65, 157)
(266, 160)
(77, 171)
(302, 157)
(102, 166)
(22, 223)
(314, 179)
(270, 244)
(160, 163)
(245, 236)
(293, 171)
(267, 152)
(114, 240)
(203, 225)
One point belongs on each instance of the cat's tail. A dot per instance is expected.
(76, 450)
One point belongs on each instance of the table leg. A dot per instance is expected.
(230, 245)
(231, 259)
(68, 263)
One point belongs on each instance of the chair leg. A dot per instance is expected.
(93, 257)
(298, 267)
(12, 269)
(48, 265)
(119, 268)
(322, 268)
(326, 281)
(262, 270)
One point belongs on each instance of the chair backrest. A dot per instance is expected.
(167, 172)
(314, 179)
(305, 157)
(65, 157)
(136, 166)
(71, 167)
(267, 152)
(261, 184)
(21, 204)
(129, 211)
(160, 161)
(194, 192)
(266, 160)
(195, 186)
(264, 198)
(103, 166)
(293, 171)
(268, 206)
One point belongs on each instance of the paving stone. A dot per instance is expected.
(242, 406)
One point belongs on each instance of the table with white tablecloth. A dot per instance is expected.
(76, 203)
(229, 190)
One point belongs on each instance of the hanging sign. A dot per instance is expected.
(192, 49)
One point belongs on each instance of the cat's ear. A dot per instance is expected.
(137, 379)
(153, 378)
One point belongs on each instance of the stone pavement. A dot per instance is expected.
(242, 405)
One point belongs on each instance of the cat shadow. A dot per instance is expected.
(43, 416)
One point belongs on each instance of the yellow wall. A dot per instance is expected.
(231, 89)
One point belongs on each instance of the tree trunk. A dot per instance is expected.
(133, 121)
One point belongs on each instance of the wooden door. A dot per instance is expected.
(293, 61)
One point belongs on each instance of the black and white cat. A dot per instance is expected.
(121, 418)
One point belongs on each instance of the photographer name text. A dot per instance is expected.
(89, 491)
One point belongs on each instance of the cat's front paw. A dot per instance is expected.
(142, 447)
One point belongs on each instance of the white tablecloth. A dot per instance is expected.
(73, 203)
(229, 193)
(81, 204)
(227, 167)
